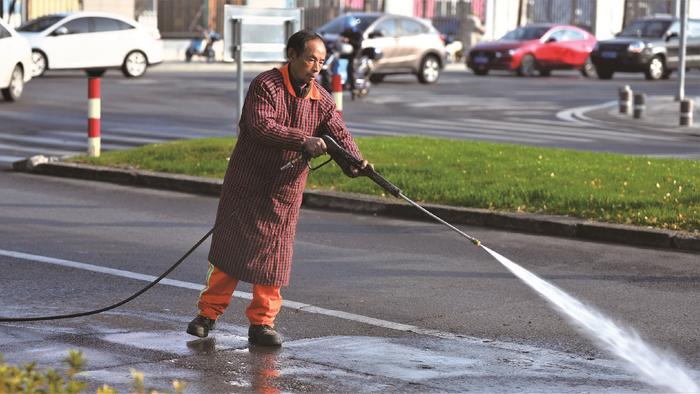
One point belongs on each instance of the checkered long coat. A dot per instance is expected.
(255, 245)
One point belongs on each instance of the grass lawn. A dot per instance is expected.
(663, 193)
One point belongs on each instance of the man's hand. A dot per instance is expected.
(314, 146)
(358, 171)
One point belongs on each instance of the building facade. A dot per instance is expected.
(186, 18)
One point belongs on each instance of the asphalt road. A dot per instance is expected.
(178, 100)
(386, 304)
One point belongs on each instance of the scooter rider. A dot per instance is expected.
(285, 112)
(352, 35)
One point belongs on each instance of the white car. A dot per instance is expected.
(15, 62)
(93, 42)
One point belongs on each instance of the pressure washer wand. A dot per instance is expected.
(346, 160)
(432, 215)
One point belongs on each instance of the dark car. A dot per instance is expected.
(408, 45)
(536, 47)
(649, 45)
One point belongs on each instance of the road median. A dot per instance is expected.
(364, 204)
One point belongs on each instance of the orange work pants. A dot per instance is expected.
(219, 288)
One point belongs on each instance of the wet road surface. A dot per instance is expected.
(375, 304)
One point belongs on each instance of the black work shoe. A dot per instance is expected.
(264, 335)
(200, 326)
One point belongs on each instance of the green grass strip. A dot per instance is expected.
(662, 193)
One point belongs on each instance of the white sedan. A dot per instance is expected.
(15, 62)
(93, 42)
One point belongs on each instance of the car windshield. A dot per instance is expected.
(40, 24)
(337, 25)
(651, 29)
(526, 33)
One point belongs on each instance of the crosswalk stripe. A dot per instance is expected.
(114, 137)
(590, 132)
(549, 132)
(10, 159)
(507, 129)
(31, 149)
(452, 135)
(77, 143)
(466, 131)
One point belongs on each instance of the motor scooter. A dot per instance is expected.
(364, 66)
(203, 46)
(339, 60)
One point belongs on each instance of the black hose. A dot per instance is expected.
(344, 159)
(120, 303)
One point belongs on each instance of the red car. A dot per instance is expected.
(537, 47)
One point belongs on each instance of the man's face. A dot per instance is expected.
(306, 66)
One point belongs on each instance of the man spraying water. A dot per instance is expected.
(285, 112)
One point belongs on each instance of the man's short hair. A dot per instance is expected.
(298, 40)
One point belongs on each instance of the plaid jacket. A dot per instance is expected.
(255, 244)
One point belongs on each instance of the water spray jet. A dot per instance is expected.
(653, 366)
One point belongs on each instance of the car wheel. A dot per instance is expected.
(40, 63)
(376, 78)
(545, 73)
(14, 91)
(655, 69)
(95, 72)
(481, 71)
(667, 74)
(135, 64)
(604, 73)
(588, 69)
(527, 66)
(429, 69)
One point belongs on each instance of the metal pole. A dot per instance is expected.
(686, 118)
(681, 51)
(238, 52)
(639, 105)
(625, 99)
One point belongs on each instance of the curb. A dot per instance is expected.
(364, 204)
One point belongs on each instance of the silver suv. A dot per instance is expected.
(408, 45)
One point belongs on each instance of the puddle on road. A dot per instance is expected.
(429, 364)
(224, 362)
(352, 363)
(177, 343)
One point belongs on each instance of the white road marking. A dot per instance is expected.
(576, 115)
(10, 159)
(198, 287)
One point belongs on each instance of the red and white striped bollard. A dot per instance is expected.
(94, 105)
(337, 87)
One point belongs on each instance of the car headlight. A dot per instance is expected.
(512, 52)
(636, 47)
